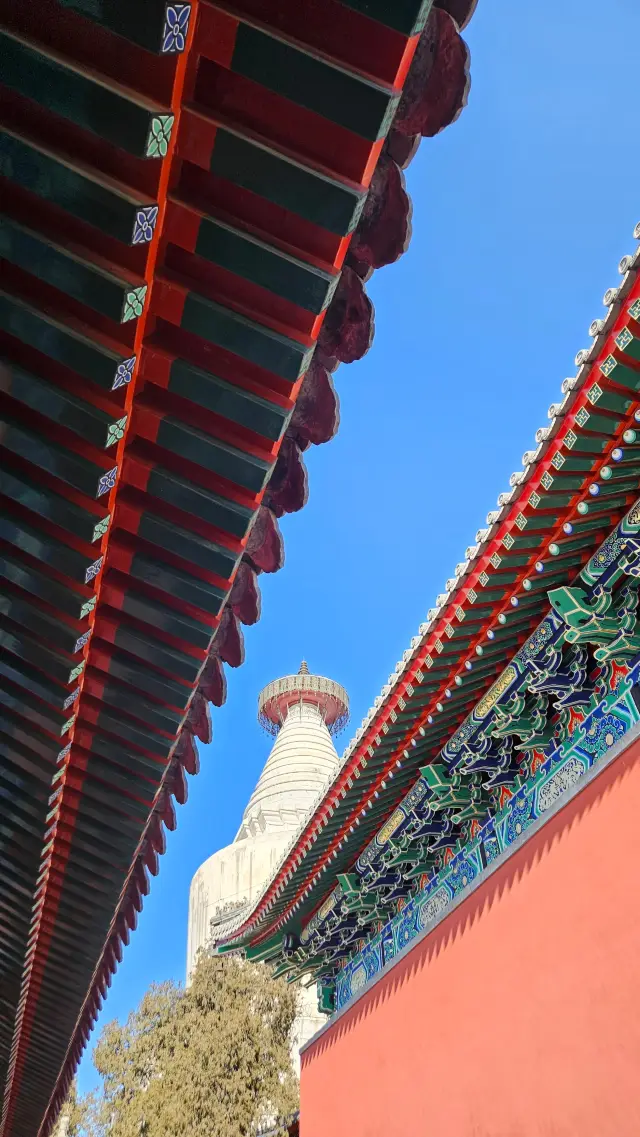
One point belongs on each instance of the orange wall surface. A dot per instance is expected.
(519, 1015)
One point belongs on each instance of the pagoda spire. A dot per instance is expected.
(304, 711)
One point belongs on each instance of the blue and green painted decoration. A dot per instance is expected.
(566, 697)
(607, 722)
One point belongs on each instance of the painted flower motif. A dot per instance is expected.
(134, 303)
(407, 932)
(519, 819)
(70, 699)
(607, 553)
(93, 570)
(124, 373)
(491, 848)
(81, 641)
(116, 431)
(107, 481)
(602, 734)
(88, 607)
(101, 528)
(176, 26)
(145, 224)
(461, 875)
(388, 947)
(358, 978)
(77, 671)
(159, 136)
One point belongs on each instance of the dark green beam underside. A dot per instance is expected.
(123, 120)
(142, 23)
(42, 501)
(86, 357)
(73, 188)
(343, 97)
(303, 284)
(406, 16)
(64, 270)
(332, 205)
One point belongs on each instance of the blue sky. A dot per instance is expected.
(522, 211)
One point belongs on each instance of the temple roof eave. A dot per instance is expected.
(150, 519)
(396, 734)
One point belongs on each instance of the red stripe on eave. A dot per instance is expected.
(152, 258)
(383, 714)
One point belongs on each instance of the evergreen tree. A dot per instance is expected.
(211, 1061)
(70, 1117)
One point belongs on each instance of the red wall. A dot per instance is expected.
(519, 1015)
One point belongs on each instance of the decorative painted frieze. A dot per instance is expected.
(517, 736)
(609, 718)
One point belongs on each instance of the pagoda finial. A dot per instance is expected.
(278, 697)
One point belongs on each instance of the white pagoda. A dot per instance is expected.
(303, 711)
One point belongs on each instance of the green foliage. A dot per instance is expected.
(212, 1061)
(70, 1120)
